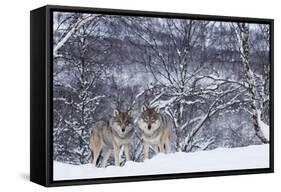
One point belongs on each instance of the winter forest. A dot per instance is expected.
(210, 77)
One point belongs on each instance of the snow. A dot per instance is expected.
(178, 52)
(251, 157)
(264, 127)
(193, 102)
(163, 103)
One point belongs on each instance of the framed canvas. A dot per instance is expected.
(119, 95)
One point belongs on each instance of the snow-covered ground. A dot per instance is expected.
(219, 159)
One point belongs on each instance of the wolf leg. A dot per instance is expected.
(167, 147)
(156, 149)
(96, 156)
(127, 152)
(145, 150)
(106, 155)
(162, 150)
(96, 148)
(116, 154)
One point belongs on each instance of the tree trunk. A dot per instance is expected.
(244, 32)
(178, 126)
(83, 98)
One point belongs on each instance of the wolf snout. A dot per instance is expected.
(149, 126)
(123, 129)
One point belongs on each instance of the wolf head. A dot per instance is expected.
(122, 122)
(149, 119)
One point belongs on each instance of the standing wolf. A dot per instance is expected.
(156, 129)
(111, 135)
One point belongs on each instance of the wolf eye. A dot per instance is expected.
(146, 119)
(152, 119)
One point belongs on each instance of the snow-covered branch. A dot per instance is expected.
(80, 22)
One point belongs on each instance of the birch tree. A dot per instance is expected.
(83, 70)
(69, 25)
(260, 127)
(177, 61)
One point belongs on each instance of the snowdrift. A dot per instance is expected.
(250, 157)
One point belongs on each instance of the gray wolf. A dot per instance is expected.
(108, 136)
(156, 130)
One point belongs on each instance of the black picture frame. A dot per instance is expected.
(41, 150)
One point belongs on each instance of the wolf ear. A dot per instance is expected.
(115, 112)
(143, 108)
(157, 110)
